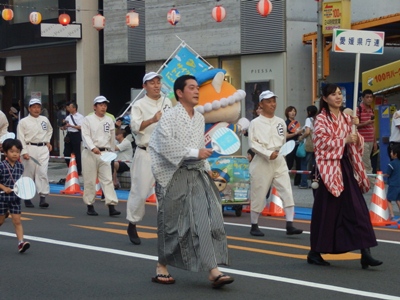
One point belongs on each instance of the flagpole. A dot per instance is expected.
(181, 45)
(194, 51)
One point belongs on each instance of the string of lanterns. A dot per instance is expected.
(218, 13)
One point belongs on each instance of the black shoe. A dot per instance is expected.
(91, 211)
(43, 203)
(255, 231)
(315, 258)
(28, 203)
(113, 211)
(293, 230)
(368, 260)
(133, 235)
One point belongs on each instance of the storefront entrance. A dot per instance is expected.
(53, 90)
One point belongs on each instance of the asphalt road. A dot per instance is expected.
(75, 256)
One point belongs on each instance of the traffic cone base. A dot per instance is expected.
(72, 186)
(379, 210)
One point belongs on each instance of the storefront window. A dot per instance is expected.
(233, 71)
(73, 88)
(37, 87)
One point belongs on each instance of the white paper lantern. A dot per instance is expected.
(99, 22)
(132, 19)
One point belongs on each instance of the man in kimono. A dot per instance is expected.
(191, 232)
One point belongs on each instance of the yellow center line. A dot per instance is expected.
(145, 235)
(125, 224)
(345, 256)
(268, 242)
(48, 216)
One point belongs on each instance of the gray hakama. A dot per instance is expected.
(191, 232)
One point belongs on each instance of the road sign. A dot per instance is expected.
(358, 41)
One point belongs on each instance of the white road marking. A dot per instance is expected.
(227, 270)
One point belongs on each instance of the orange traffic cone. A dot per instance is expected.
(378, 210)
(275, 206)
(99, 192)
(72, 181)
(152, 198)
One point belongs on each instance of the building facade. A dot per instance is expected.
(257, 52)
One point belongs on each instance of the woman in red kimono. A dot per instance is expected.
(340, 219)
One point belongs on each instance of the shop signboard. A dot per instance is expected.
(335, 15)
(70, 31)
(382, 78)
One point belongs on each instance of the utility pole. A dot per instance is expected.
(320, 47)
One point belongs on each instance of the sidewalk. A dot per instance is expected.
(302, 197)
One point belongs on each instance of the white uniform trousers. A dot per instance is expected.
(92, 168)
(263, 174)
(36, 172)
(142, 182)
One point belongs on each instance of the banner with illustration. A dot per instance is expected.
(184, 60)
(232, 178)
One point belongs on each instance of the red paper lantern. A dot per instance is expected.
(264, 7)
(64, 19)
(132, 19)
(35, 17)
(218, 13)
(173, 16)
(99, 22)
(7, 14)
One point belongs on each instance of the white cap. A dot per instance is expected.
(150, 76)
(100, 99)
(266, 95)
(34, 101)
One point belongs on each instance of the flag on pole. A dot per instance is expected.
(184, 60)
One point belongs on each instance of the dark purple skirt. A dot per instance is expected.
(341, 224)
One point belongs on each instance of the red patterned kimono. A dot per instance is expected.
(329, 144)
(340, 217)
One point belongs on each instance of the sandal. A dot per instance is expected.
(168, 276)
(221, 280)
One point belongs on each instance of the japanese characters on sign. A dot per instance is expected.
(358, 41)
(336, 15)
